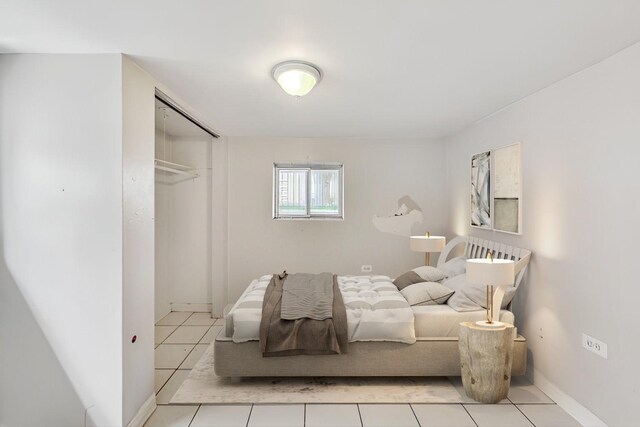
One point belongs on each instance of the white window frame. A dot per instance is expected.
(309, 168)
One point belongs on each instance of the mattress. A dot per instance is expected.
(376, 311)
(444, 321)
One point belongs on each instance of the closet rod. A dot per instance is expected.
(176, 171)
(175, 168)
(161, 96)
(173, 165)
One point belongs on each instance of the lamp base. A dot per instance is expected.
(487, 325)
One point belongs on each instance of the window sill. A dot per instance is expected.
(313, 218)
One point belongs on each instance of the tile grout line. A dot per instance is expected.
(249, 417)
(414, 414)
(205, 334)
(192, 313)
(183, 324)
(188, 317)
(183, 360)
(177, 326)
(468, 413)
(537, 404)
(194, 415)
(524, 415)
(167, 337)
(180, 364)
(360, 415)
(304, 419)
(545, 394)
(190, 343)
(165, 383)
(179, 385)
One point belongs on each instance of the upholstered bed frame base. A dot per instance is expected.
(427, 357)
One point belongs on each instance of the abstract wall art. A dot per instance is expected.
(481, 190)
(507, 189)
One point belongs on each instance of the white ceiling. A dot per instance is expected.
(391, 68)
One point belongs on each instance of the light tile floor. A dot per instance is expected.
(182, 337)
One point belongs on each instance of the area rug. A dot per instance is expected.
(204, 386)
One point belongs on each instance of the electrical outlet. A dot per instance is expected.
(367, 269)
(594, 345)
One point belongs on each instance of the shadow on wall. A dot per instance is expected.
(34, 389)
(530, 365)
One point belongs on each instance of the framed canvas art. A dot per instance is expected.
(507, 189)
(481, 190)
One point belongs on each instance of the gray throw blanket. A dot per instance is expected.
(307, 295)
(282, 337)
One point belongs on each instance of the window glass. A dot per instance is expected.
(308, 191)
(292, 192)
(325, 192)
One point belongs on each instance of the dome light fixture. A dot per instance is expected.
(297, 78)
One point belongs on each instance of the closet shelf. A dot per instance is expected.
(173, 173)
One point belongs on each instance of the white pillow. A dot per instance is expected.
(468, 297)
(430, 274)
(455, 266)
(426, 293)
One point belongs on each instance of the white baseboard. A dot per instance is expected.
(144, 413)
(196, 307)
(566, 402)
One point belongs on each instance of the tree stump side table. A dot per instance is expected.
(485, 361)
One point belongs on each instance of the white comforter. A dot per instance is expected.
(376, 311)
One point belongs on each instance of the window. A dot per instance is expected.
(308, 191)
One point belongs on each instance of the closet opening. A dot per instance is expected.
(183, 213)
(166, 100)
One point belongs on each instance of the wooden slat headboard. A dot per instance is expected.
(478, 248)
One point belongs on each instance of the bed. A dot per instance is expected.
(433, 351)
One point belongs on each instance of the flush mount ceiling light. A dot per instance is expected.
(297, 78)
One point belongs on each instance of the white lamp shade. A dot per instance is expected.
(427, 244)
(497, 272)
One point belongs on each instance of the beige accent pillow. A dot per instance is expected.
(406, 279)
(418, 275)
(430, 274)
(426, 293)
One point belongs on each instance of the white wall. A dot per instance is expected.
(138, 115)
(580, 143)
(61, 198)
(219, 225)
(191, 223)
(377, 173)
(77, 237)
(40, 376)
(184, 226)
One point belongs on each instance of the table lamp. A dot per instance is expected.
(427, 244)
(491, 272)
